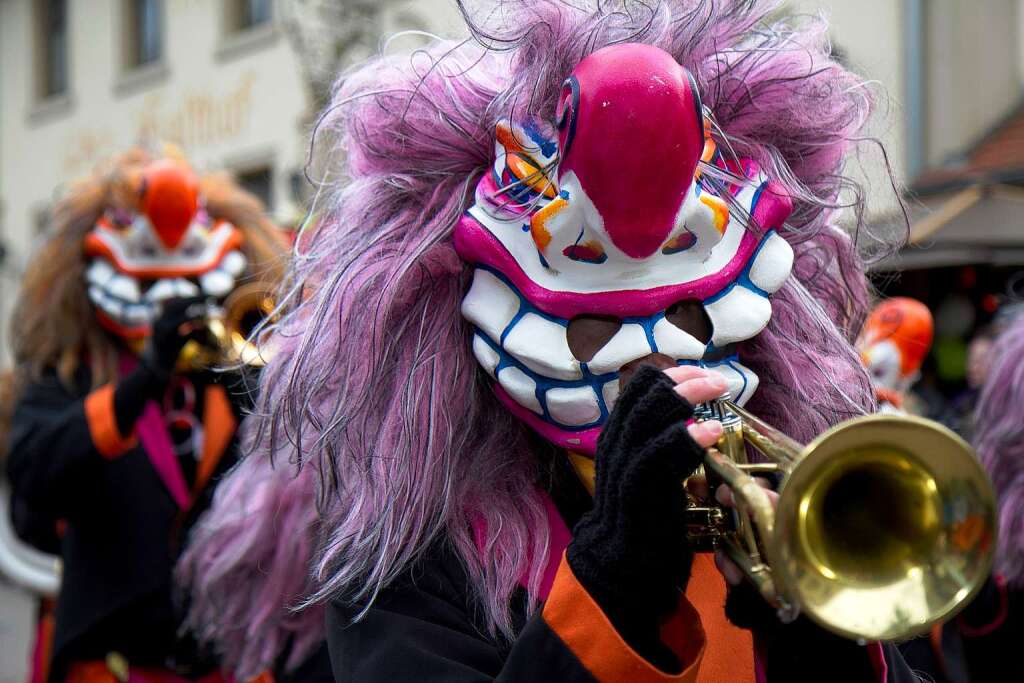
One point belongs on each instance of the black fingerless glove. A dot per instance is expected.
(156, 366)
(800, 651)
(630, 550)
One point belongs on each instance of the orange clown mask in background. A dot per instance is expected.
(896, 338)
(155, 241)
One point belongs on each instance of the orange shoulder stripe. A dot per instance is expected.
(219, 427)
(99, 414)
(574, 616)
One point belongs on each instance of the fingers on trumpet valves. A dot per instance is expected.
(697, 385)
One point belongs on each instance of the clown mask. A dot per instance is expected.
(622, 238)
(155, 241)
(895, 340)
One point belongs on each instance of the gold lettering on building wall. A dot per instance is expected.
(199, 119)
(193, 121)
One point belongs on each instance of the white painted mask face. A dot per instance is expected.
(616, 242)
(166, 247)
(883, 362)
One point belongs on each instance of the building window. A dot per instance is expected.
(52, 47)
(260, 182)
(246, 14)
(143, 32)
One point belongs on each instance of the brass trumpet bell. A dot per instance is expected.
(885, 524)
(228, 329)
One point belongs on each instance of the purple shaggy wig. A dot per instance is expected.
(999, 440)
(246, 568)
(373, 384)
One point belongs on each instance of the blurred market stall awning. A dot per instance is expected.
(971, 212)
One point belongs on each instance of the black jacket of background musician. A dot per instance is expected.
(120, 528)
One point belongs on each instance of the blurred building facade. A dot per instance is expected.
(228, 82)
(225, 80)
(953, 126)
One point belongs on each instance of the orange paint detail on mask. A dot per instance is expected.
(720, 209)
(538, 224)
(522, 165)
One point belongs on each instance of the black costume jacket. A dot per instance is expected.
(82, 489)
(427, 627)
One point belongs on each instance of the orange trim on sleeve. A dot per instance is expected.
(574, 616)
(99, 413)
(219, 426)
(729, 655)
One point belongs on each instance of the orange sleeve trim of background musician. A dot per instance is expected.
(99, 413)
(574, 616)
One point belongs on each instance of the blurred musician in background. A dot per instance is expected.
(121, 428)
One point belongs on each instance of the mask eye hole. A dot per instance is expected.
(587, 334)
(689, 316)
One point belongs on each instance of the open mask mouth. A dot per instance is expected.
(563, 376)
(128, 304)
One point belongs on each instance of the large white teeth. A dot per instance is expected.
(772, 265)
(485, 355)
(234, 262)
(739, 315)
(183, 288)
(136, 315)
(490, 304)
(573, 406)
(99, 272)
(105, 302)
(629, 343)
(541, 345)
(216, 283)
(520, 387)
(677, 343)
(112, 307)
(741, 380)
(124, 288)
(160, 290)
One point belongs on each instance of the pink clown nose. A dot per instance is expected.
(170, 199)
(631, 127)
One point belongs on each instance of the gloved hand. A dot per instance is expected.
(179, 321)
(630, 551)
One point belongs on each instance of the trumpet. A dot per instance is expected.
(884, 525)
(228, 330)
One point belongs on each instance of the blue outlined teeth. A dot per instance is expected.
(541, 344)
(740, 314)
(487, 357)
(610, 393)
(490, 304)
(520, 387)
(573, 406)
(771, 264)
(629, 343)
(675, 342)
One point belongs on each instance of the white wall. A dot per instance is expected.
(228, 103)
(974, 72)
(868, 35)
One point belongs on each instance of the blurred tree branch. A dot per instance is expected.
(327, 36)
